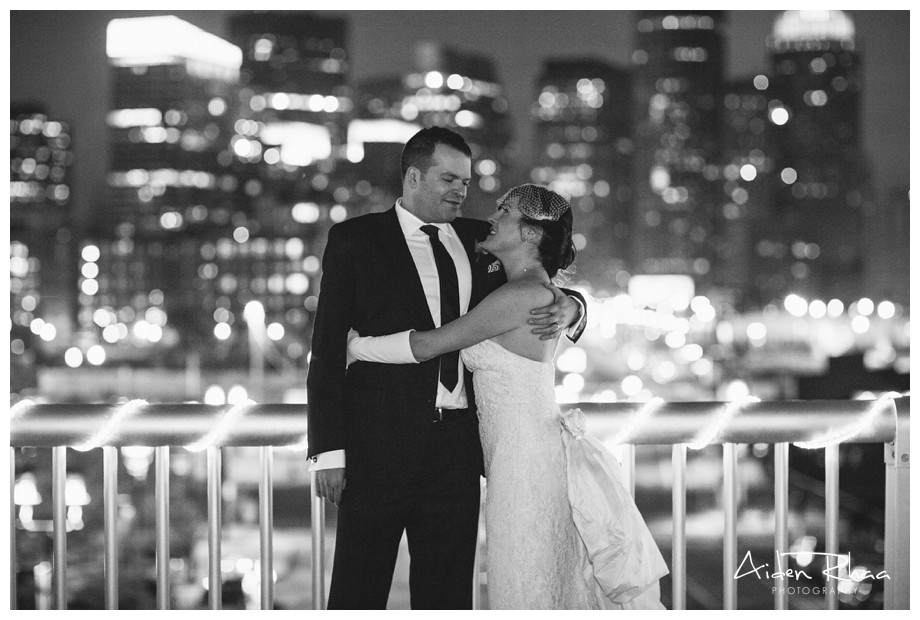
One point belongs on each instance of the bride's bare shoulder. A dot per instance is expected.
(526, 290)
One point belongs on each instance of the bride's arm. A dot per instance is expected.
(505, 309)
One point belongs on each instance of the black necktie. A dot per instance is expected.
(450, 302)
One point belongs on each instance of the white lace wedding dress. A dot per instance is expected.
(561, 531)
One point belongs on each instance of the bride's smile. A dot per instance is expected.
(505, 233)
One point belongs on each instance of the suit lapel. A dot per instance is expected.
(405, 273)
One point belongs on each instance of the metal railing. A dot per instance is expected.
(693, 425)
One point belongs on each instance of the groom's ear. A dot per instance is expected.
(413, 175)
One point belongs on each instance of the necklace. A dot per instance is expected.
(526, 271)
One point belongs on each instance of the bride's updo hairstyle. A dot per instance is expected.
(544, 210)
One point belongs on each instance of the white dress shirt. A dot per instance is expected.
(423, 256)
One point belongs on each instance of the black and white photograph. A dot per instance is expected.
(566, 308)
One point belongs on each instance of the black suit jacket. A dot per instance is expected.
(376, 412)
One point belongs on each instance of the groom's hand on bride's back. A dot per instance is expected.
(556, 316)
(330, 483)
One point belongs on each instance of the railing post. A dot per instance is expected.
(215, 572)
(110, 534)
(266, 528)
(897, 510)
(832, 518)
(730, 542)
(781, 521)
(629, 467)
(679, 527)
(59, 519)
(13, 562)
(161, 494)
(318, 526)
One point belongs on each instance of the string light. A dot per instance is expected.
(21, 408)
(220, 431)
(720, 420)
(638, 419)
(855, 429)
(110, 425)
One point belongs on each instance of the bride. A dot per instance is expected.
(562, 531)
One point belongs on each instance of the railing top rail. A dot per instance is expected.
(811, 423)
(137, 423)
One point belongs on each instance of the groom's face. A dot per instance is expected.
(441, 189)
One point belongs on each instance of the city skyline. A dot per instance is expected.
(175, 180)
(48, 73)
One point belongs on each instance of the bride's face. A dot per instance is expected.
(506, 229)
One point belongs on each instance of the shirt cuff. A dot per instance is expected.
(327, 460)
(573, 328)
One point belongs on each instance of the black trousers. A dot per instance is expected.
(436, 504)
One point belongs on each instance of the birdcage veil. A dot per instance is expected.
(536, 202)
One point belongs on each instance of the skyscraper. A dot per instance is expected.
(887, 228)
(745, 259)
(678, 63)
(41, 279)
(584, 151)
(295, 68)
(820, 178)
(461, 91)
(169, 184)
(289, 150)
(295, 90)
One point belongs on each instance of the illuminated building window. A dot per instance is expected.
(338, 213)
(262, 49)
(488, 183)
(818, 65)
(748, 172)
(731, 211)
(690, 54)
(815, 98)
(486, 167)
(779, 115)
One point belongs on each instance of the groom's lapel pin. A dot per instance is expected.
(494, 267)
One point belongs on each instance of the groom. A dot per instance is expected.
(409, 432)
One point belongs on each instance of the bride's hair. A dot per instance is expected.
(543, 209)
(556, 250)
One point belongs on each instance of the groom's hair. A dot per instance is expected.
(420, 147)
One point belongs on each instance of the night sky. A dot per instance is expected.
(57, 58)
